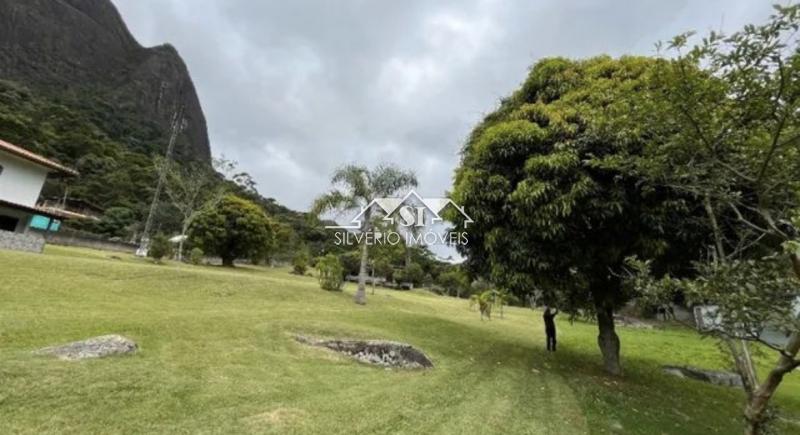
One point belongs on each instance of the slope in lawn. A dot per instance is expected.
(217, 355)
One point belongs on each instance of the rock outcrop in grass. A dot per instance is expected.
(711, 376)
(383, 353)
(95, 347)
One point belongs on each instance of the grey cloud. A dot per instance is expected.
(293, 89)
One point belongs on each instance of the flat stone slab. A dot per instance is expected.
(95, 347)
(630, 322)
(715, 377)
(378, 352)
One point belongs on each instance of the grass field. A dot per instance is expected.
(217, 356)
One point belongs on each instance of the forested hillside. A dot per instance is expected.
(76, 86)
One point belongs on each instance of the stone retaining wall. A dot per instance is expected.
(67, 237)
(30, 242)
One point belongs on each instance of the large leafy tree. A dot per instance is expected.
(543, 178)
(235, 228)
(724, 123)
(354, 189)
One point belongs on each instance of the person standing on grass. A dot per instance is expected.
(550, 328)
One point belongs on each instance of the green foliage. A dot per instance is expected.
(412, 273)
(722, 119)
(384, 269)
(111, 149)
(351, 262)
(502, 298)
(114, 152)
(115, 222)
(544, 177)
(300, 262)
(236, 228)
(480, 285)
(330, 273)
(287, 243)
(196, 256)
(159, 248)
(454, 282)
(354, 189)
(358, 186)
(748, 296)
(427, 281)
(484, 301)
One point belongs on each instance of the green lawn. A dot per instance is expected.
(216, 355)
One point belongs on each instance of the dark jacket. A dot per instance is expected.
(549, 321)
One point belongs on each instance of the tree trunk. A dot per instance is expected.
(184, 230)
(361, 293)
(372, 277)
(227, 261)
(179, 256)
(608, 340)
(758, 401)
(743, 363)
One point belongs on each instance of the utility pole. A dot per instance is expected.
(176, 128)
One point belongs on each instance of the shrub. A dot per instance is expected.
(454, 282)
(384, 269)
(160, 247)
(196, 256)
(312, 261)
(300, 263)
(351, 263)
(330, 273)
(413, 273)
(115, 222)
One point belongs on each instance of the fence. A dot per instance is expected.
(67, 237)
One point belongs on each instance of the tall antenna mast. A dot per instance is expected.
(176, 128)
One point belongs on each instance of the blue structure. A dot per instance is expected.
(45, 223)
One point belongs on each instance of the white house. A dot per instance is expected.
(22, 176)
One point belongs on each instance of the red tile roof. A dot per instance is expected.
(35, 158)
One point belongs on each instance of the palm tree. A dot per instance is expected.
(354, 188)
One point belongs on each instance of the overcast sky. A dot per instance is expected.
(294, 88)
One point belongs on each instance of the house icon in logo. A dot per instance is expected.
(391, 206)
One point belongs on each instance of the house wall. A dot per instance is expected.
(21, 181)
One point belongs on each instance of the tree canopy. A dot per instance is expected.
(544, 178)
(724, 131)
(235, 229)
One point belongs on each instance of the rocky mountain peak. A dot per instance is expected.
(76, 48)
